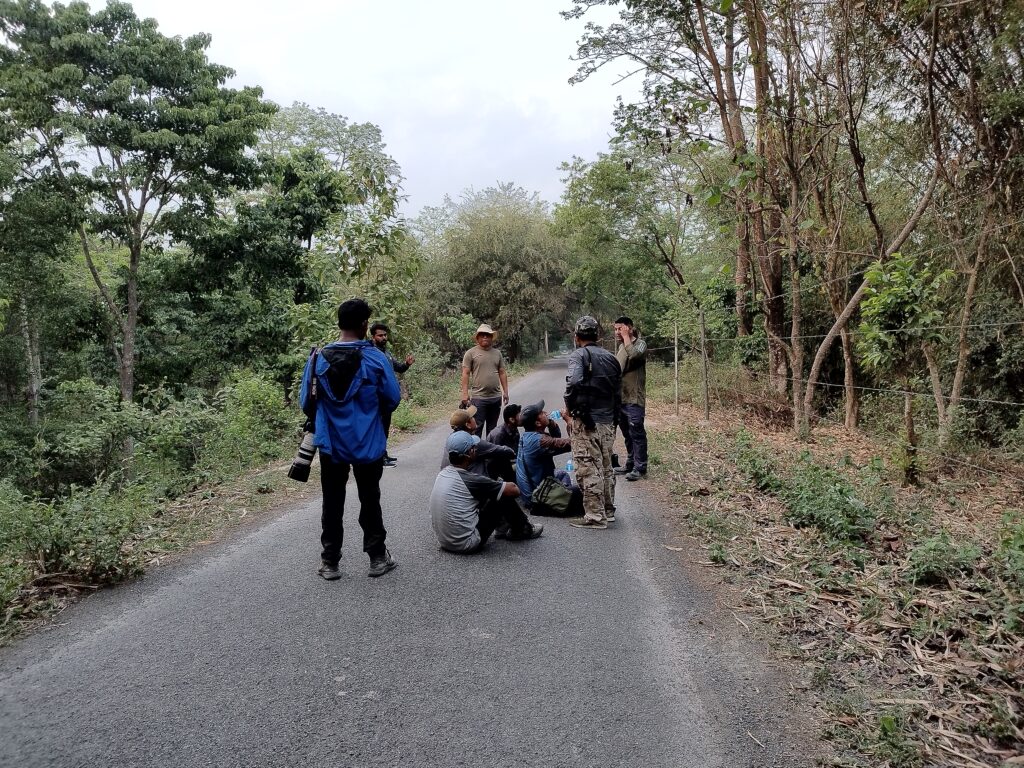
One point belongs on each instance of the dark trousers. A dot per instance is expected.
(333, 479)
(631, 422)
(386, 421)
(488, 414)
(505, 510)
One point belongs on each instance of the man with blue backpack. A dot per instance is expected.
(347, 388)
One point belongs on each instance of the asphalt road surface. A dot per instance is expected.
(581, 648)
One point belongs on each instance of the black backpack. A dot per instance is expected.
(343, 362)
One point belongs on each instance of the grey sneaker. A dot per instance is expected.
(622, 470)
(586, 522)
(381, 564)
(633, 475)
(609, 516)
(329, 571)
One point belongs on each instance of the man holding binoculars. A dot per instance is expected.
(346, 388)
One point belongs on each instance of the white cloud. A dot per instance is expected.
(467, 93)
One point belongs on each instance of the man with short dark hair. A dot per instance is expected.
(507, 433)
(466, 507)
(593, 389)
(541, 441)
(484, 380)
(379, 336)
(354, 384)
(631, 352)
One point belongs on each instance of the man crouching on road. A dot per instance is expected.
(465, 507)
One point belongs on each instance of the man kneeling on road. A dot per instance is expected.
(466, 507)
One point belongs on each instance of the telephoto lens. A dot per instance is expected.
(299, 469)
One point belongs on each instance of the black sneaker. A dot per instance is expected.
(381, 564)
(390, 461)
(531, 531)
(329, 571)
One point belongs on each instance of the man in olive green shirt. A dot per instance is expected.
(484, 380)
(631, 352)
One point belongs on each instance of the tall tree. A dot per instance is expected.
(138, 121)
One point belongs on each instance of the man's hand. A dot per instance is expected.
(464, 402)
(409, 359)
(504, 399)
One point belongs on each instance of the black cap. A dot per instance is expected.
(528, 416)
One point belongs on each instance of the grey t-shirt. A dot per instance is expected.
(455, 503)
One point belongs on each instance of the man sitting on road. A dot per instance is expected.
(505, 434)
(466, 507)
(541, 441)
(491, 460)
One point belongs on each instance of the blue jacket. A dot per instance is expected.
(348, 424)
(535, 461)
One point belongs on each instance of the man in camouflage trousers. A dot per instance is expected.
(592, 398)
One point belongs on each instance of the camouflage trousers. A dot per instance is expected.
(592, 453)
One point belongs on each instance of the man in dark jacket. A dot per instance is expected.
(379, 336)
(355, 384)
(507, 433)
(592, 396)
(631, 352)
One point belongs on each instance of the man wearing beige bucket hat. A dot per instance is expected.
(484, 380)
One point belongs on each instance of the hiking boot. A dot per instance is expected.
(586, 522)
(381, 564)
(634, 475)
(329, 571)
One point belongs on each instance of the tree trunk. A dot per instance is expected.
(30, 336)
(744, 322)
(852, 399)
(963, 348)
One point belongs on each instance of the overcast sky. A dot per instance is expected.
(466, 92)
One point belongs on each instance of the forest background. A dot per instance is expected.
(832, 191)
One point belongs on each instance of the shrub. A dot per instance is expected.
(84, 436)
(1009, 555)
(84, 537)
(178, 435)
(937, 559)
(822, 497)
(421, 380)
(756, 463)
(255, 419)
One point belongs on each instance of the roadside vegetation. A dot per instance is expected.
(905, 604)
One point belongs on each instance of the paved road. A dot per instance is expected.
(581, 648)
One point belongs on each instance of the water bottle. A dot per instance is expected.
(555, 414)
(570, 468)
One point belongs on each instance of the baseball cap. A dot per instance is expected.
(460, 443)
(461, 417)
(531, 412)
